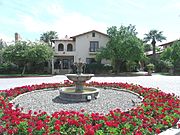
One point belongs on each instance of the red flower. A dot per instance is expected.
(30, 130)
(138, 133)
(10, 131)
(90, 132)
(111, 124)
(57, 127)
(1, 130)
(38, 127)
(57, 122)
(157, 131)
(178, 125)
(165, 122)
(157, 108)
(82, 110)
(123, 119)
(150, 129)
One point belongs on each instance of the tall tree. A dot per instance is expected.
(172, 53)
(153, 36)
(23, 53)
(123, 46)
(2, 45)
(48, 36)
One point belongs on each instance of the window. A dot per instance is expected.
(65, 63)
(57, 64)
(69, 47)
(93, 34)
(90, 60)
(60, 47)
(94, 46)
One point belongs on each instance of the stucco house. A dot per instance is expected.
(169, 44)
(69, 50)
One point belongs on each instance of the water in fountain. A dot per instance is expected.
(79, 93)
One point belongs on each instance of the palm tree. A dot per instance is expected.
(154, 36)
(48, 36)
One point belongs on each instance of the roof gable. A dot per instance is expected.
(165, 44)
(89, 32)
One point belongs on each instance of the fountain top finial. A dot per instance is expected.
(79, 60)
(79, 65)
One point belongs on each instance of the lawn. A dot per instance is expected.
(25, 75)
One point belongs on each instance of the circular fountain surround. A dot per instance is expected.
(70, 94)
(79, 93)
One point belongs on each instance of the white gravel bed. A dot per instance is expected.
(49, 101)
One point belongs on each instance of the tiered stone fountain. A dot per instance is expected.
(79, 93)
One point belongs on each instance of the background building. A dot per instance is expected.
(69, 50)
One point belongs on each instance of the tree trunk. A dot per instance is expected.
(154, 47)
(116, 66)
(24, 69)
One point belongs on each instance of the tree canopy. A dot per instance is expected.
(123, 46)
(2, 44)
(21, 53)
(48, 36)
(153, 36)
(172, 53)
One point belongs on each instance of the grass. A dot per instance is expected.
(168, 74)
(25, 75)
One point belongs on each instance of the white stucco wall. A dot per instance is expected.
(65, 43)
(82, 44)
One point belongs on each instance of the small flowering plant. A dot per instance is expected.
(157, 112)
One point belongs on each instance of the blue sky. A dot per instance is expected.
(30, 18)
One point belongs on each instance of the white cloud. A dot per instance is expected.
(6, 38)
(65, 23)
(55, 9)
(135, 4)
(32, 24)
(76, 23)
(171, 6)
(175, 5)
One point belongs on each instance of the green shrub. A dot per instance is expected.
(150, 67)
(8, 68)
(97, 68)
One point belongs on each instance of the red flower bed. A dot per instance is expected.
(157, 112)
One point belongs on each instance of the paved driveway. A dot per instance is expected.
(169, 84)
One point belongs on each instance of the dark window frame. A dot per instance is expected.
(94, 46)
(90, 60)
(93, 34)
(60, 47)
(69, 47)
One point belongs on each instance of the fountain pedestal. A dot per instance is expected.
(70, 94)
(79, 93)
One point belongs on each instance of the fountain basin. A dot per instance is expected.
(79, 77)
(72, 95)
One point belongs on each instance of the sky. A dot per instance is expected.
(31, 18)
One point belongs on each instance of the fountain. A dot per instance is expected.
(79, 93)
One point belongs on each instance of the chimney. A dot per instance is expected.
(17, 37)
